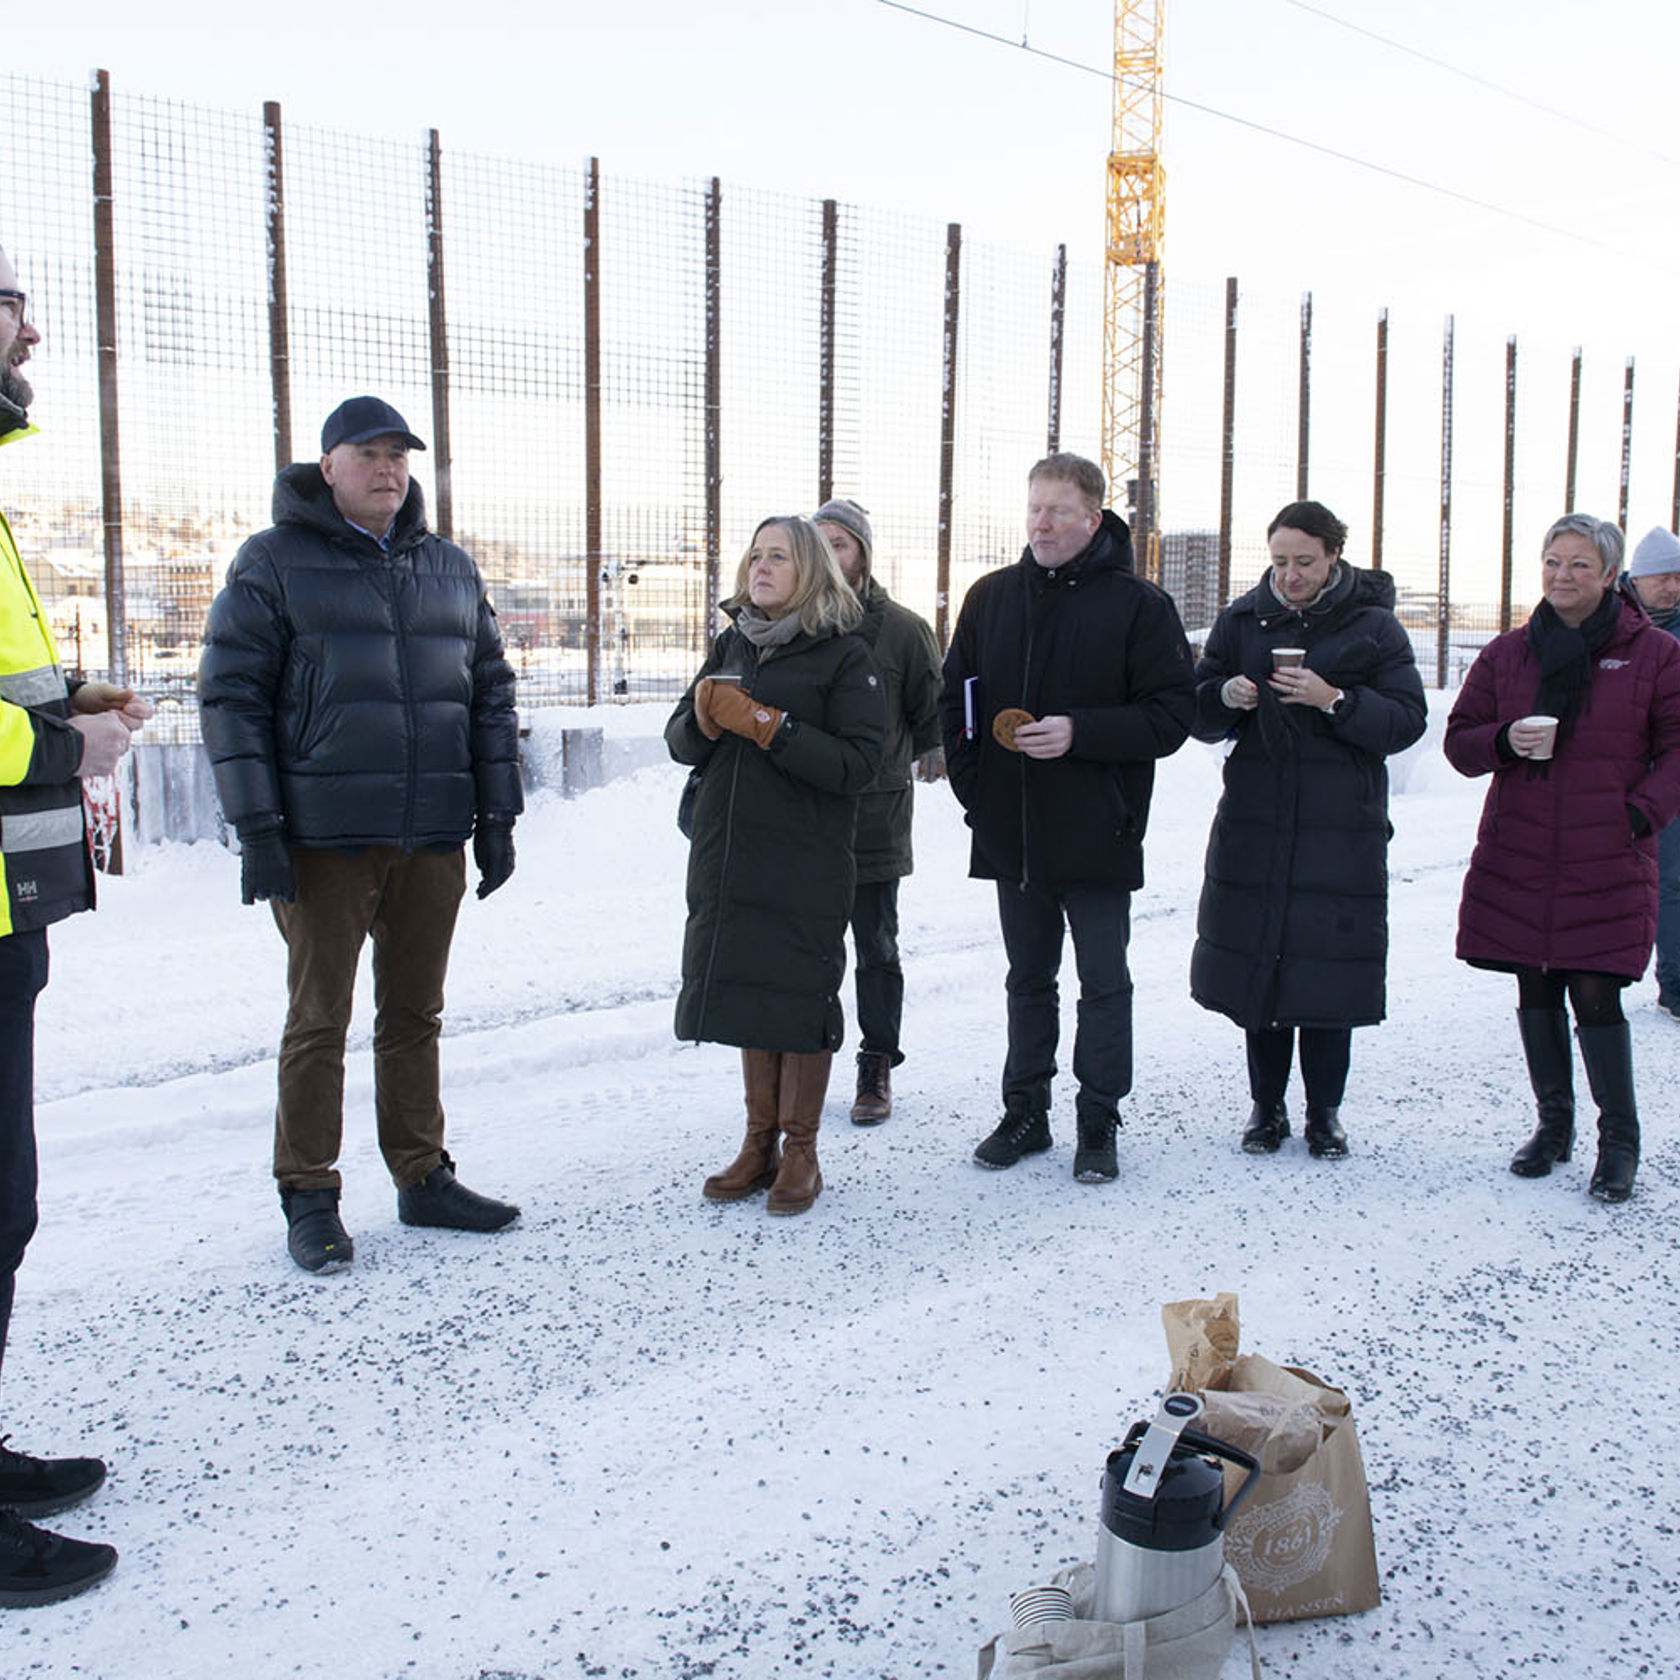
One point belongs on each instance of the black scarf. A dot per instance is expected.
(1565, 656)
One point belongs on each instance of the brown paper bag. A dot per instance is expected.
(1301, 1543)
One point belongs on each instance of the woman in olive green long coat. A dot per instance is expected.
(787, 719)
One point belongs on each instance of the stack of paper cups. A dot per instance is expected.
(1041, 1604)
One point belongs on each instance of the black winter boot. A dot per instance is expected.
(1021, 1131)
(441, 1199)
(1094, 1160)
(315, 1235)
(1551, 1071)
(1325, 1138)
(1268, 1126)
(1608, 1053)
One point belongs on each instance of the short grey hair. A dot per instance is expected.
(1604, 536)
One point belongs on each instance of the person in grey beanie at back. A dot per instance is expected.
(1653, 579)
(908, 657)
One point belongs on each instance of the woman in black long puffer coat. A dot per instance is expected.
(787, 719)
(1292, 932)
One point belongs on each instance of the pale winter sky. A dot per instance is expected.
(873, 105)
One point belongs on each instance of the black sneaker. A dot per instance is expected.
(1021, 1131)
(1094, 1160)
(41, 1568)
(1267, 1128)
(315, 1235)
(441, 1199)
(37, 1487)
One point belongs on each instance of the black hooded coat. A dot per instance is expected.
(1292, 930)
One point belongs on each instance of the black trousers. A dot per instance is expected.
(23, 974)
(1100, 919)
(1325, 1052)
(880, 980)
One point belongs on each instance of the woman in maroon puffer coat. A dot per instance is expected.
(1562, 886)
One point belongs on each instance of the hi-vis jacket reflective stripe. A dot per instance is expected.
(45, 871)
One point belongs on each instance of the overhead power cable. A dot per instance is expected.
(1575, 236)
(1483, 81)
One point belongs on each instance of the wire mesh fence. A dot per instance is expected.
(619, 378)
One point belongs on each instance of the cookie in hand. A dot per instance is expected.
(1006, 723)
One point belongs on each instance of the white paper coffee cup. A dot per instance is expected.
(1549, 724)
(1284, 659)
(1041, 1604)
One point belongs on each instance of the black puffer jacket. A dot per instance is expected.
(907, 657)
(359, 694)
(770, 871)
(1088, 641)
(1293, 925)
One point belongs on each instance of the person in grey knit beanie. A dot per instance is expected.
(1654, 578)
(908, 660)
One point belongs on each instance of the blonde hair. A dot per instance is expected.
(822, 598)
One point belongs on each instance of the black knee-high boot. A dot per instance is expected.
(1551, 1071)
(1608, 1053)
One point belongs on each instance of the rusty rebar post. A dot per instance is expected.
(1508, 524)
(1228, 443)
(592, 427)
(1303, 408)
(1627, 445)
(1058, 313)
(1443, 598)
(1379, 445)
(825, 352)
(714, 407)
(947, 431)
(279, 326)
(1149, 512)
(105, 310)
(438, 326)
(1574, 445)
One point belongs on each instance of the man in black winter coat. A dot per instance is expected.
(1066, 679)
(358, 713)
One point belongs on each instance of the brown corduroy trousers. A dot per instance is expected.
(407, 901)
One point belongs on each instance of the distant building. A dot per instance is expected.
(1190, 574)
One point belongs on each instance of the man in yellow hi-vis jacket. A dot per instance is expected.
(52, 734)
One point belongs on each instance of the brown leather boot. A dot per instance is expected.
(874, 1090)
(804, 1085)
(757, 1164)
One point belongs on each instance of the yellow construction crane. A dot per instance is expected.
(1132, 281)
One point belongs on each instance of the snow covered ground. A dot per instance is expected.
(643, 1435)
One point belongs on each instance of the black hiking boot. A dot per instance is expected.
(1094, 1160)
(1021, 1131)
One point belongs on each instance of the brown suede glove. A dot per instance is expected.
(703, 690)
(739, 713)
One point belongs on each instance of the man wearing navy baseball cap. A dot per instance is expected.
(358, 712)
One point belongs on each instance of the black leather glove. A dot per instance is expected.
(265, 866)
(493, 853)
